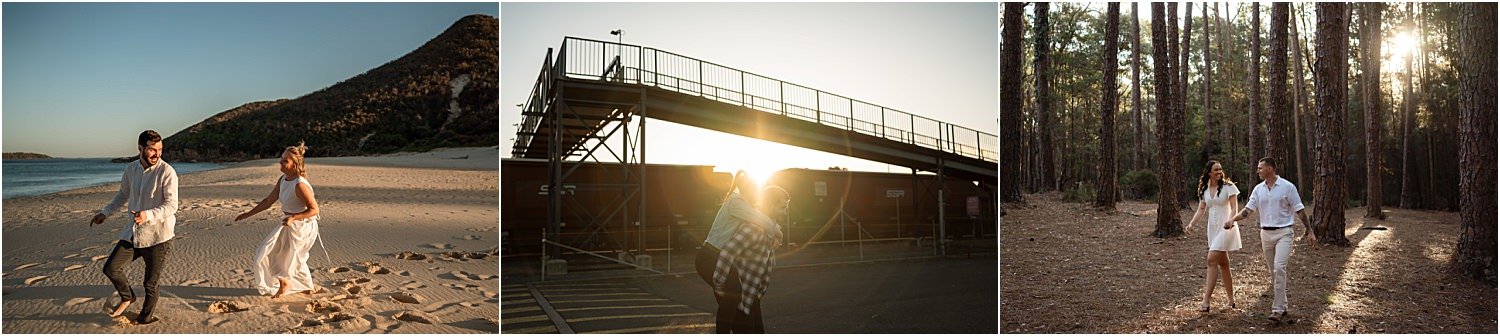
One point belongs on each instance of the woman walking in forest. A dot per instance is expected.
(1218, 196)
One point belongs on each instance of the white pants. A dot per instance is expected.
(1277, 246)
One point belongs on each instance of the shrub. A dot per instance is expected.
(1139, 184)
(1080, 192)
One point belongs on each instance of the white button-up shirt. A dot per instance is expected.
(1276, 203)
(735, 212)
(153, 193)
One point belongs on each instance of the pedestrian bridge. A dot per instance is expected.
(588, 86)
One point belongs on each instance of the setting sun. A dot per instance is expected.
(1400, 46)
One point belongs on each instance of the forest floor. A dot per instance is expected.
(1072, 268)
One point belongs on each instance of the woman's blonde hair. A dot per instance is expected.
(741, 182)
(297, 153)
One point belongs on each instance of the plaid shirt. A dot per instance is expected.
(752, 252)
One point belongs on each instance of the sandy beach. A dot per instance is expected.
(409, 237)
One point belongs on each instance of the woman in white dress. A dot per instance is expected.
(1218, 197)
(280, 262)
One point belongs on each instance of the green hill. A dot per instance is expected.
(443, 94)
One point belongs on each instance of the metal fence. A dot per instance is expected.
(602, 60)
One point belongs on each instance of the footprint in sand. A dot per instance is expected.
(71, 256)
(79, 300)
(72, 267)
(193, 282)
(407, 297)
(460, 286)
(25, 266)
(240, 272)
(440, 246)
(35, 279)
(471, 237)
(490, 294)
(86, 249)
(409, 255)
(223, 307)
(99, 257)
(340, 269)
(461, 275)
(217, 321)
(410, 285)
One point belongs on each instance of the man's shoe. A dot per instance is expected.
(150, 321)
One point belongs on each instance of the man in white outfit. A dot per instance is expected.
(1276, 199)
(148, 189)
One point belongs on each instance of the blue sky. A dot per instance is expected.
(929, 59)
(83, 79)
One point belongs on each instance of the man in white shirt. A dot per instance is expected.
(1276, 199)
(148, 189)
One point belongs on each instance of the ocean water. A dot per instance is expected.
(39, 177)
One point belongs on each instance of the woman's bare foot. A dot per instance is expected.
(280, 290)
(120, 309)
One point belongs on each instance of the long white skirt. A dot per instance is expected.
(283, 255)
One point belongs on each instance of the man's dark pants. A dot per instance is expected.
(156, 259)
(729, 319)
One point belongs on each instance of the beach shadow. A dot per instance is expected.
(95, 320)
(58, 293)
(478, 324)
(211, 293)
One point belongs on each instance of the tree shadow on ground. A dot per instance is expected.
(1068, 268)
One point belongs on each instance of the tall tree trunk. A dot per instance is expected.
(1422, 93)
(1109, 102)
(1183, 63)
(1253, 124)
(1476, 132)
(1369, 39)
(1010, 103)
(1168, 220)
(1043, 67)
(1209, 124)
(1302, 100)
(1230, 140)
(1330, 195)
(1408, 117)
(1135, 83)
(1299, 105)
(1276, 71)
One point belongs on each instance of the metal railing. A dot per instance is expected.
(608, 61)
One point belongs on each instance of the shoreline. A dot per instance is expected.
(353, 161)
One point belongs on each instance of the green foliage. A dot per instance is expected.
(1139, 184)
(1080, 192)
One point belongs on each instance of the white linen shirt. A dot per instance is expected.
(735, 212)
(1276, 203)
(153, 193)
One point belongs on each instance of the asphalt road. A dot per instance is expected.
(933, 295)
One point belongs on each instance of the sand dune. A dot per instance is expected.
(373, 210)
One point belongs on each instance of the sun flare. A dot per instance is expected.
(1399, 47)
